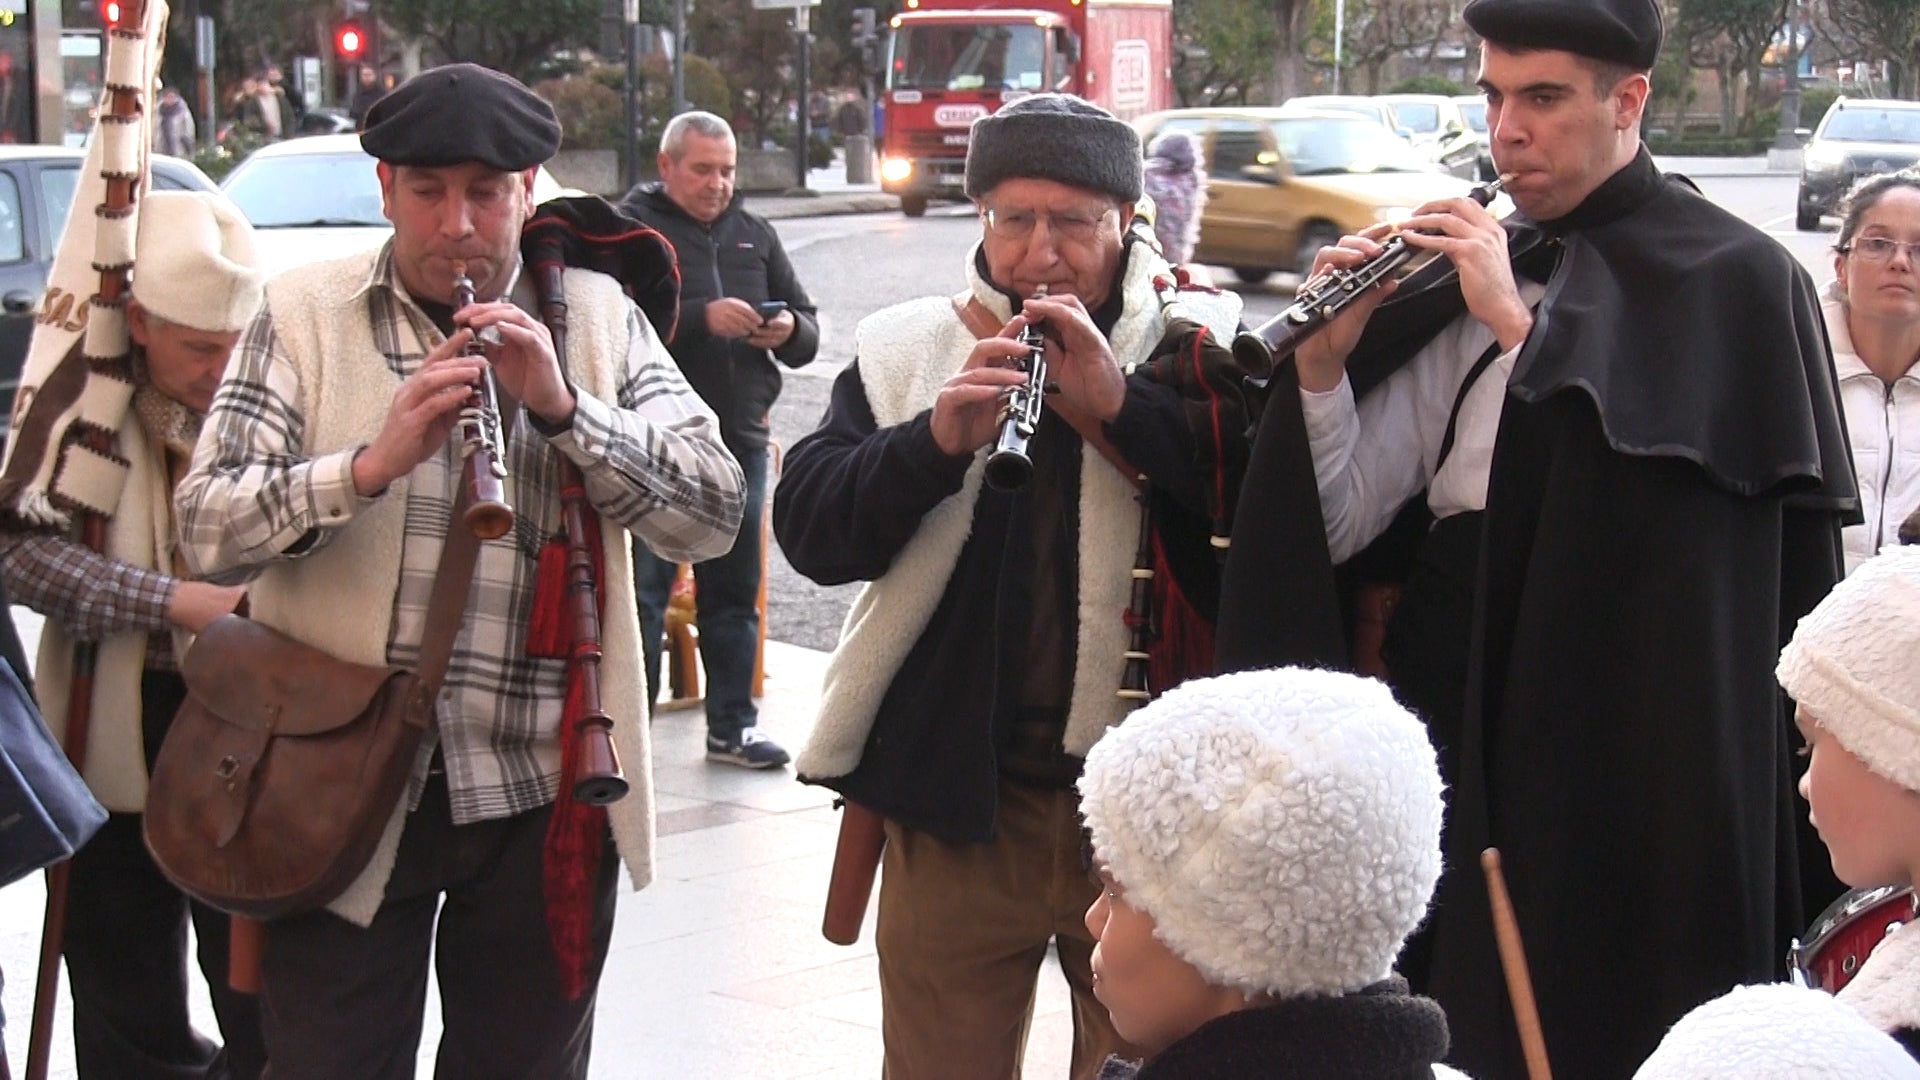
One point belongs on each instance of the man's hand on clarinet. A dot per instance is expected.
(1079, 359)
(1465, 232)
(524, 362)
(1321, 360)
(421, 416)
(966, 415)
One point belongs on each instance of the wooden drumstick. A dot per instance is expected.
(1513, 960)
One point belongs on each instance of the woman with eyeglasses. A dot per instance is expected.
(1873, 320)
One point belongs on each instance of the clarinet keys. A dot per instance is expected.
(1010, 465)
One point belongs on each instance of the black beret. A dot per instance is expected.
(459, 113)
(1617, 31)
(1055, 137)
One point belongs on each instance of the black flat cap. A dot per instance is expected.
(459, 113)
(1617, 31)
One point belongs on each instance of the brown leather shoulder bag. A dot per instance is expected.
(283, 766)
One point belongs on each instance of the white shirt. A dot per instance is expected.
(1883, 426)
(1365, 481)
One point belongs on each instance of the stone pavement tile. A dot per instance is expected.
(767, 838)
(795, 989)
(778, 943)
(799, 882)
(702, 815)
(671, 909)
(709, 1037)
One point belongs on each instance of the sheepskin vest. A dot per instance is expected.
(140, 533)
(906, 353)
(320, 315)
(1887, 989)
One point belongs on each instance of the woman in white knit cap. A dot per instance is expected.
(1267, 840)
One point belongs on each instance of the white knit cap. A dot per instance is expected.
(194, 263)
(1282, 827)
(1854, 662)
(1777, 1032)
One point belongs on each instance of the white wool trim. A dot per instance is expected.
(1886, 990)
(139, 533)
(320, 316)
(906, 353)
(1776, 1032)
(103, 403)
(107, 328)
(1282, 827)
(1852, 664)
(90, 479)
(114, 241)
(122, 153)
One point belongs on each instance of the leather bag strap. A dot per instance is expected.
(453, 581)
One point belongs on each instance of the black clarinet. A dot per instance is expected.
(1010, 466)
(1320, 300)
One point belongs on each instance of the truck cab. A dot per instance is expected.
(951, 62)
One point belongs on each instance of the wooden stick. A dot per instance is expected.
(1513, 960)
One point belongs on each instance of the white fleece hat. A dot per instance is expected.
(1854, 662)
(1777, 1032)
(1282, 827)
(194, 263)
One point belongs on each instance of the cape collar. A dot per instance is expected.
(1616, 197)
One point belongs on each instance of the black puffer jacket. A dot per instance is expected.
(738, 255)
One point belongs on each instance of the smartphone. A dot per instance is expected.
(769, 308)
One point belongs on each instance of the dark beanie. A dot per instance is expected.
(1056, 137)
(459, 113)
(1617, 31)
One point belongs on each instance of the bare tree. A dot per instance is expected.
(1877, 30)
(1378, 32)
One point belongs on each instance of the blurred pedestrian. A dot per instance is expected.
(1177, 183)
(173, 131)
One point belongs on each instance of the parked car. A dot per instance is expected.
(319, 198)
(1369, 107)
(1284, 182)
(36, 192)
(1473, 109)
(1438, 129)
(1858, 137)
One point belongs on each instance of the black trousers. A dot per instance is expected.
(342, 1001)
(126, 952)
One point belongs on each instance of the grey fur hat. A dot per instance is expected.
(1056, 137)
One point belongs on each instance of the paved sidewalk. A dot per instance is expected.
(1721, 166)
(718, 970)
(827, 192)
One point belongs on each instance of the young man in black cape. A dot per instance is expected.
(1622, 409)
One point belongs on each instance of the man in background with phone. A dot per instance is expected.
(741, 309)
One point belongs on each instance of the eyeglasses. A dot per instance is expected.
(1019, 224)
(1879, 249)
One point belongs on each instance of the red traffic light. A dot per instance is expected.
(350, 41)
(111, 9)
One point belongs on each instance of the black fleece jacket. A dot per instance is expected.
(738, 255)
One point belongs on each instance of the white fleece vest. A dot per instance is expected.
(138, 533)
(1887, 989)
(320, 316)
(906, 353)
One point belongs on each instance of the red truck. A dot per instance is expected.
(950, 62)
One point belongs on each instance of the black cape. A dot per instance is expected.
(1667, 489)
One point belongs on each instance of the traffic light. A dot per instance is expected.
(350, 41)
(110, 12)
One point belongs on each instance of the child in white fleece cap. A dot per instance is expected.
(1267, 840)
(1853, 671)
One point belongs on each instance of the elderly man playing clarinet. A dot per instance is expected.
(981, 661)
(328, 475)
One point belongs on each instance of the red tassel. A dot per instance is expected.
(571, 863)
(1182, 647)
(549, 632)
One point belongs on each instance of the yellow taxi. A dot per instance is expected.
(1282, 182)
